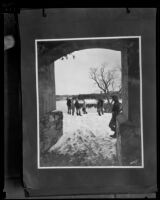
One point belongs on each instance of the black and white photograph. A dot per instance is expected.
(80, 101)
(89, 110)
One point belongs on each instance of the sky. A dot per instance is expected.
(72, 75)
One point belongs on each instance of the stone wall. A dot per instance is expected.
(46, 86)
(128, 142)
(124, 61)
(51, 129)
(129, 122)
(134, 83)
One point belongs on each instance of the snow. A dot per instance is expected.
(89, 136)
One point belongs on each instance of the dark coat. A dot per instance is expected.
(100, 103)
(77, 105)
(116, 109)
(68, 102)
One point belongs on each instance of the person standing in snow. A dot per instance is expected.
(101, 104)
(84, 107)
(116, 108)
(99, 107)
(77, 105)
(69, 105)
(72, 106)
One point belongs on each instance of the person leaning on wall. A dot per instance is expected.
(116, 109)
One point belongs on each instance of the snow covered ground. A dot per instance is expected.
(86, 141)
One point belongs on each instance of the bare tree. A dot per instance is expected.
(105, 79)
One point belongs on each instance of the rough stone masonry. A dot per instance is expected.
(51, 129)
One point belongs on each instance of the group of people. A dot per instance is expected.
(73, 104)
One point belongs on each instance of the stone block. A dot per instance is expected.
(128, 144)
(51, 129)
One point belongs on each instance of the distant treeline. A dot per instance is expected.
(107, 108)
(97, 96)
(87, 96)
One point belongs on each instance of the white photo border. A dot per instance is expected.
(141, 105)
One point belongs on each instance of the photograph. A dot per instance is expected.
(89, 102)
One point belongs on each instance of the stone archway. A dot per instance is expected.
(48, 52)
(58, 49)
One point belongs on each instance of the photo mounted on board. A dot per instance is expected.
(89, 103)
